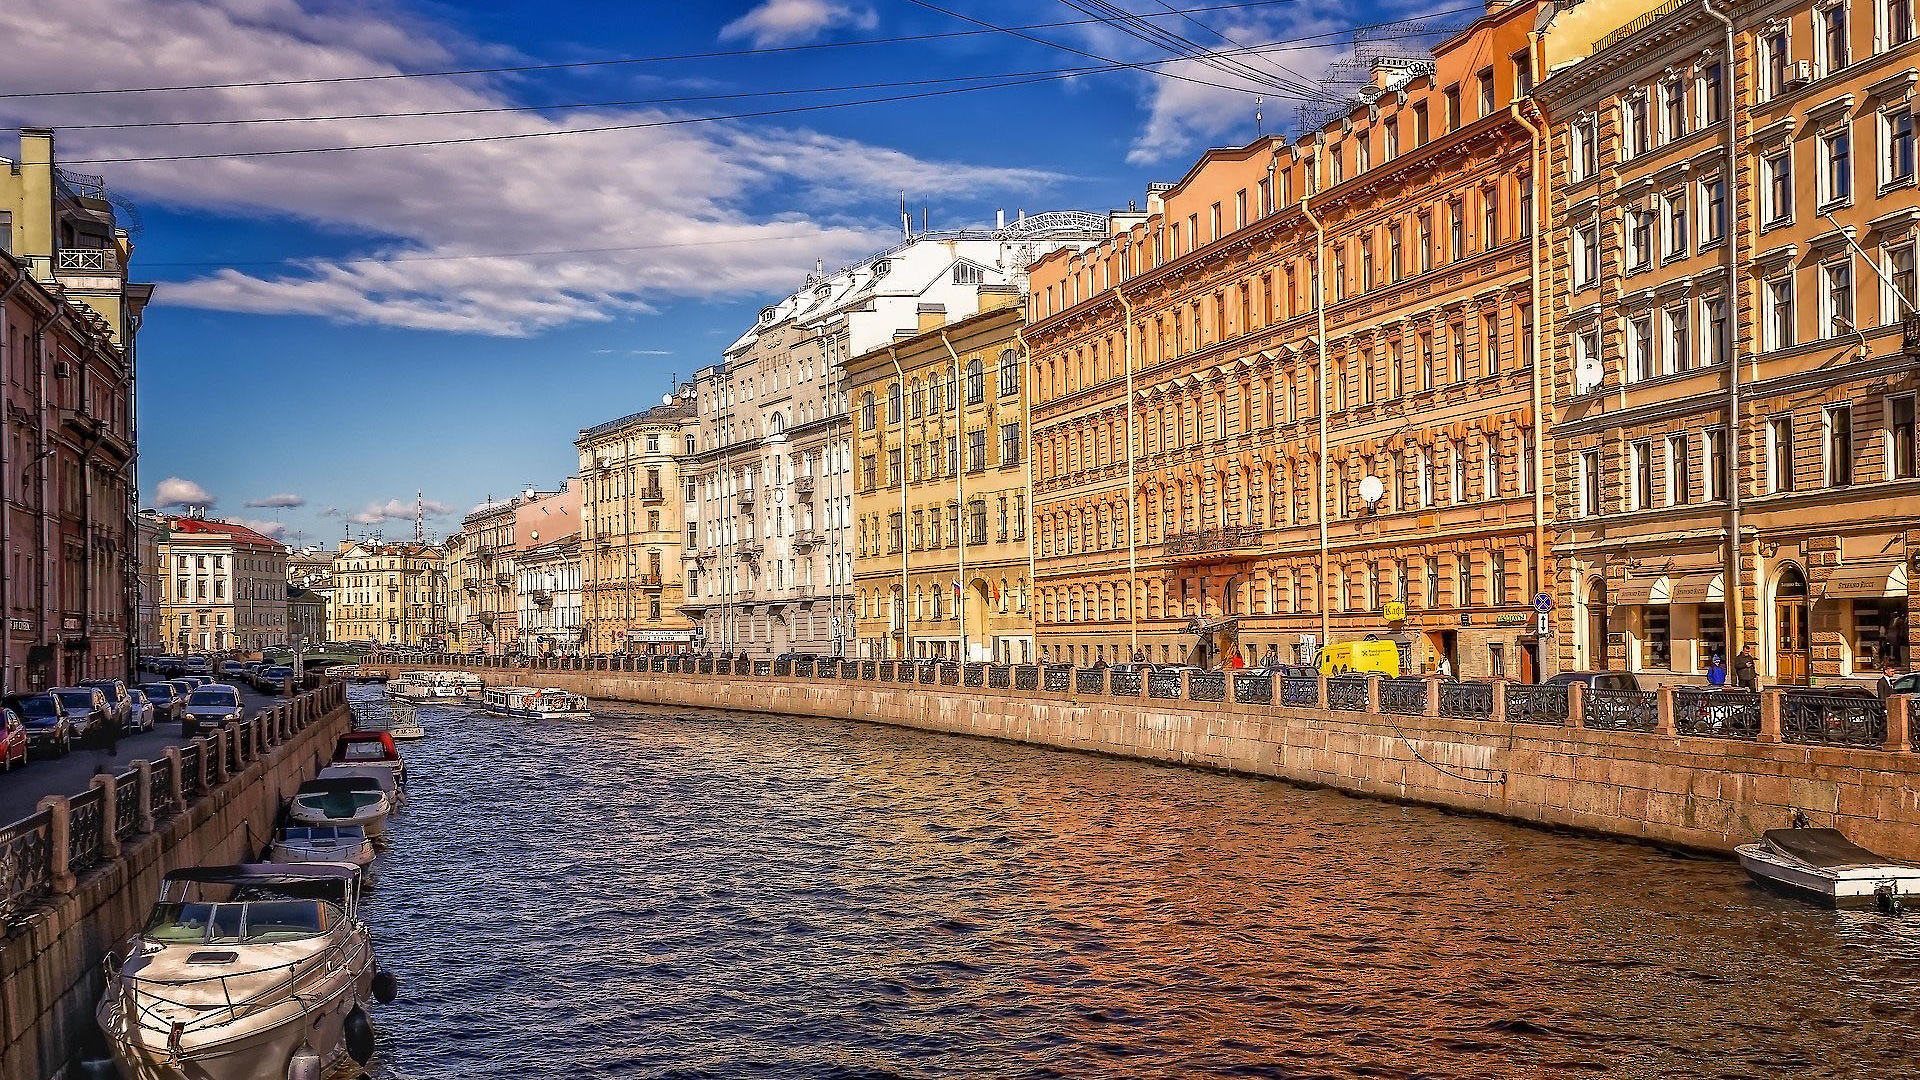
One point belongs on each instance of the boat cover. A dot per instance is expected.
(1825, 848)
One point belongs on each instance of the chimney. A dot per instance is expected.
(932, 317)
(1000, 219)
(999, 297)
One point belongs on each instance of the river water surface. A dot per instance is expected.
(682, 895)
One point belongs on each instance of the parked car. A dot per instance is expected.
(197, 682)
(86, 708)
(276, 679)
(118, 702)
(1597, 680)
(210, 708)
(13, 740)
(143, 717)
(196, 665)
(167, 700)
(48, 732)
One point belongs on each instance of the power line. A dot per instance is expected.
(631, 60)
(491, 255)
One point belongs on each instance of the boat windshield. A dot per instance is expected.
(363, 751)
(237, 923)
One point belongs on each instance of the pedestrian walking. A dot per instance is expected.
(1746, 670)
(1716, 671)
(1889, 672)
(110, 736)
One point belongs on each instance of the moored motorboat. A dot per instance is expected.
(1824, 866)
(532, 704)
(324, 844)
(404, 722)
(345, 800)
(370, 748)
(250, 972)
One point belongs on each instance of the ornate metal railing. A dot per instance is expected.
(763, 667)
(1404, 696)
(1623, 710)
(26, 864)
(190, 772)
(886, 671)
(86, 829)
(1026, 677)
(926, 673)
(999, 677)
(126, 803)
(163, 801)
(803, 669)
(1466, 701)
(1300, 691)
(1543, 704)
(1163, 684)
(949, 673)
(782, 668)
(1252, 688)
(1123, 683)
(1089, 680)
(1206, 686)
(1209, 540)
(1347, 693)
(723, 666)
(850, 669)
(1056, 678)
(1830, 719)
(1717, 714)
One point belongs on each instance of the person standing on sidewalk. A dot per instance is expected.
(1746, 670)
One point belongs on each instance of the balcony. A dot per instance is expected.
(503, 579)
(806, 541)
(470, 585)
(647, 581)
(1910, 335)
(803, 487)
(652, 495)
(87, 261)
(543, 597)
(1216, 544)
(746, 502)
(747, 549)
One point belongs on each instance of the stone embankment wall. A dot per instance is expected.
(214, 803)
(1683, 790)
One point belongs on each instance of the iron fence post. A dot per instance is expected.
(109, 815)
(1665, 725)
(1373, 695)
(1576, 705)
(1433, 696)
(59, 843)
(145, 769)
(1770, 716)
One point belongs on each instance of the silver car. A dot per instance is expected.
(209, 708)
(86, 708)
(143, 712)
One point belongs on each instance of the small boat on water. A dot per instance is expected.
(531, 704)
(435, 687)
(324, 844)
(344, 800)
(404, 721)
(251, 972)
(1823, 865)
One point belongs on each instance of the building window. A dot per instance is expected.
(1487, 104)
(1836, 180)
(977, 450)
(893, 403)
(1639, 137)
(866, 411)
(1673, 110)
(1657, 640)
(1836, 298)
(1640, 494)
(1713, 107)
(1452, 96)
(1678, 356)
(1676, 240)
(1586, 252)
(1463, 580)
(1839, 445)
(1899, 22)
(1590, 504)
(1639, 240)
(1640, 360)
(1773, 49)
(1897, 133)
(1778, 169)
(1713, 210)
(1831, 21)
(1585, 138)
(893, 467)
(1780, 311)
(1780, 454)
(1490, 341)
(1421, 129)
(1489, 218)
(1903, 282)
(1718, 465)
(1714, 340)
(976, 382)
(1902, 463)
(1009, 444)
(1456, 229)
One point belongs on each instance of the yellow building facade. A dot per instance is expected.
(943, 559)
(392, 594)
(633, 530)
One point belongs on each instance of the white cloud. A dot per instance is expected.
(277, 502)
(437, 509)
(789, 22)
(177, 494)
(272, 530)
(376, 512)
(684, 193)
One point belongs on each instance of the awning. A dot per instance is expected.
(1866, 581)
(1701, 588)
(1197, 627)
(1638, 591)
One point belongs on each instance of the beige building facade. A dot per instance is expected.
(390, 594)
(223, 587)
(942, 563)
(633, 528)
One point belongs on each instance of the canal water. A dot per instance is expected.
(702, 895)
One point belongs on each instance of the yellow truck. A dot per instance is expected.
(1368, 657)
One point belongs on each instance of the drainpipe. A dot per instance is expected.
(1538, 179)
(6, 511)
(959, 488)
(906, 626)
(1133, 559)
(42, 571)
(1320, 396)
(1736, 614)
(1026, 425)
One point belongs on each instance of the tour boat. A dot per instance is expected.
(1824, 865)
(343, 800)
(531, 704)
(250, 972)
(324, 844)
(435, 687)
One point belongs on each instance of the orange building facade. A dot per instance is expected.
(1293, 402)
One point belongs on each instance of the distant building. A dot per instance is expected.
(68, 589)
(390, 594)
(549, 597)
(148, 528)
(632, 517)
(486, 568)
(941, 553)
(224, 587)
(307, 614)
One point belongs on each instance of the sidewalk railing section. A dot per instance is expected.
(45, 852)
(1811, 717)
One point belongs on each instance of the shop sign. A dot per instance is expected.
(658, 636)
(19, 624)
(1395, 611)
(1511, 618)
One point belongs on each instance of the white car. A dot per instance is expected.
(141, 716)
(211, 707)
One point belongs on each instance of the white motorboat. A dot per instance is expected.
(1822, 864)
(370, 748)
(346, 800)
(531, 704)
(324, 844)
(392, 782)
(251, 972)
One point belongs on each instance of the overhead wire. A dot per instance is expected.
(1288, 75)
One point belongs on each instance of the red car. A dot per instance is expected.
(13, 740)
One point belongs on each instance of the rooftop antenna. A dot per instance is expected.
(419, 516)
(1259, 125)
(906, 219)
(923, 217)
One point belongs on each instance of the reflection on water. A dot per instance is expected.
(718, 895)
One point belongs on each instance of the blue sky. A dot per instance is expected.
(348, 329)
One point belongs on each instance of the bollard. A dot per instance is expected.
(1664, 704)
(109, 815)
(177, 796)
(1577, 704)
(204, 758)
(59, 843)
(1770, 716)
(145, 769)
(1184, 695)
(1324, 703)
